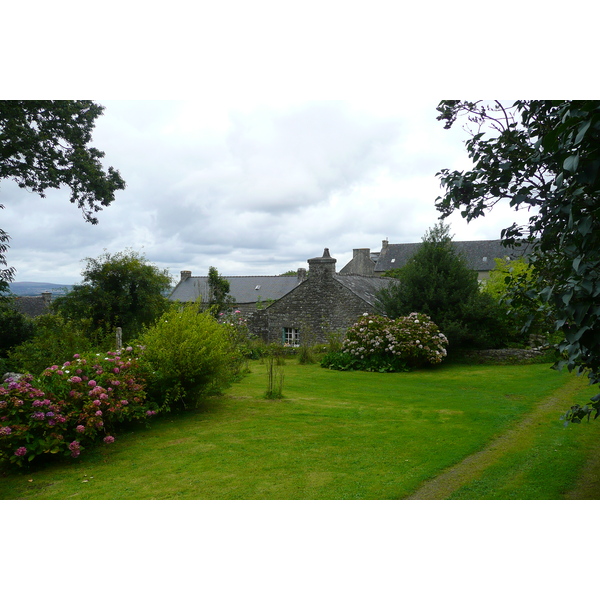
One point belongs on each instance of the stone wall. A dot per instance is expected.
(506, 355)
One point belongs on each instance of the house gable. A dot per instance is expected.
(325, 302)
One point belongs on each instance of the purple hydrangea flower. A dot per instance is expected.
(75, 449)
(22, 451)
(80, 428)
(109, 439)
(5, 430)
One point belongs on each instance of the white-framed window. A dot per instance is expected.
(291, 336)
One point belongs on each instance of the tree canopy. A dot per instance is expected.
(45, 144)
(220, 299)
(118, 290)
(543, 156)
(437, 281)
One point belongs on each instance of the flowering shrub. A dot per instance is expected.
(31, 423)
(377, 343)
(100, 390)
(83, 399)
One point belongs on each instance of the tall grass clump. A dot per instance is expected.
(189, 355)
(275, 361)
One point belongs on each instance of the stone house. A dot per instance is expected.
(480, 256)
(323, 302)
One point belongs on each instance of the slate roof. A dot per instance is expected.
(364, 287)
(246, 289)
(479, 255)
(30, 306)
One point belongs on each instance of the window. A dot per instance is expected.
(291, 336)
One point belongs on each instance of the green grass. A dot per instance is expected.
(545, 462)
(335, 435)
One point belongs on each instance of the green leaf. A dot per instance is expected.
(571, 162)
(584, 127)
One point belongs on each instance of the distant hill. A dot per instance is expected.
(34, 288)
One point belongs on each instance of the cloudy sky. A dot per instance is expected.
(251, 142)
(248, 187)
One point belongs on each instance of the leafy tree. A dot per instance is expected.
(15, 328)
(118, 290)
(220, 300)
(43, 145)
(437, 281)
(512, 282)
(543, 156)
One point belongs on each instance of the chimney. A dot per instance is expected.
(185, 275)
(364, 253)
(47, 298)
(302, 274)
(322, 267)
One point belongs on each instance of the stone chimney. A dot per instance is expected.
(185, 275)
(322, 267)
(361, 263)
(47, 298)
(302, 274)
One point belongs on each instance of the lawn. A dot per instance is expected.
(335, 435)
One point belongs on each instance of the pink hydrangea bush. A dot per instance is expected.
(32, 422)
(82, 400)
(376, 342)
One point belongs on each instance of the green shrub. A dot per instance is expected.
(55, 340)
(189, 355)
(379, 363)
(15, 329)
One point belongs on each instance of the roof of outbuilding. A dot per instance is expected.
(479, 255)
(245, 289)
(31, 306)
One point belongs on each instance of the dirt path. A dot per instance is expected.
(471, 467)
